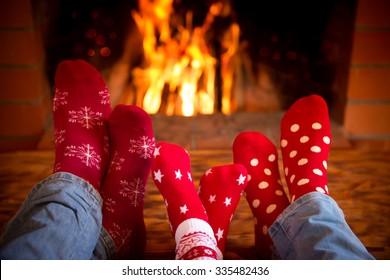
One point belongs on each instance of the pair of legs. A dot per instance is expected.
(306, 224)
(92, 205)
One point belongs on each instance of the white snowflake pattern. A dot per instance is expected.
(59, 99)
(86, 117)
(116, 163)
(59, 137)
(134, 190)
(144, 146)
(121, 236)
(57, 167)
(86, 153)
(105, 95)
(106, 145)
(109, 205)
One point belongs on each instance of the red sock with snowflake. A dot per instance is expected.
(220, 190)
(81, 108)
(264, 191)
(132, 146)
(305, 144)
(171, 173)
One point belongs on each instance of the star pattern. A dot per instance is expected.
(212, 198)
(156, 152)
(184, 209)
(178, 174)
(241, 179)
(157, 175)
(219, 234)
(228, 201)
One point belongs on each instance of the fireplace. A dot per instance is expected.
(181, 57)
(243, 61)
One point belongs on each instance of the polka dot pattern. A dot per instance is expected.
(302, 161)
(294, 128)
(263, 185)
(271, 208)
(265, 230)
(305, 144)
(265, 193)
(256, 203)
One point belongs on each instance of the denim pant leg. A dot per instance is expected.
(313, 227)
(61, 218)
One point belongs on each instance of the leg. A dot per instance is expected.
(264, 192)
(81, 108)
(61, 218)
(313, 226)
(132, 145)
(171, 171)
(220, 191)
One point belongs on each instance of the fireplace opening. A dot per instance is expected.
(182, 57)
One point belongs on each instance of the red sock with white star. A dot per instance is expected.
(132, 145)
(305, 144)
(220, 191)
(264, 191)
(171, 171)
(81, 108)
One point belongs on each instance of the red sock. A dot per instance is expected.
(171, 173)
(132, 146)
(305, 143)
(264, 191)
(220, 191)
(81, 108)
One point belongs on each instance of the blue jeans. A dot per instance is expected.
(61, 219)
(313, 227)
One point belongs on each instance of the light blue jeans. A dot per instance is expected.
(314, 228)
(61, 219)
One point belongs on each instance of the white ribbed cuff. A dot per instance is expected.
(193, 225)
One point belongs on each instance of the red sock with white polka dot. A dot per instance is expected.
(305, 144)
(264, 191)
(220, 191)
(81, 108)
(171, 171)
(132, 146)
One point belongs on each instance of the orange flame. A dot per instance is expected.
(184, 70)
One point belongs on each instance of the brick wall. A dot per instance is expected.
(24, 93)
(367, 114)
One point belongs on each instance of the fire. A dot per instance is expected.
(181, 73)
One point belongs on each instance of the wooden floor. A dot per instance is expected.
(358, 180)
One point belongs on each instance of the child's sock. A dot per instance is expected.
(305, 144)
(132, 146)
(81, 108)
(171, 173)
(264, 191)
(220, 191)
